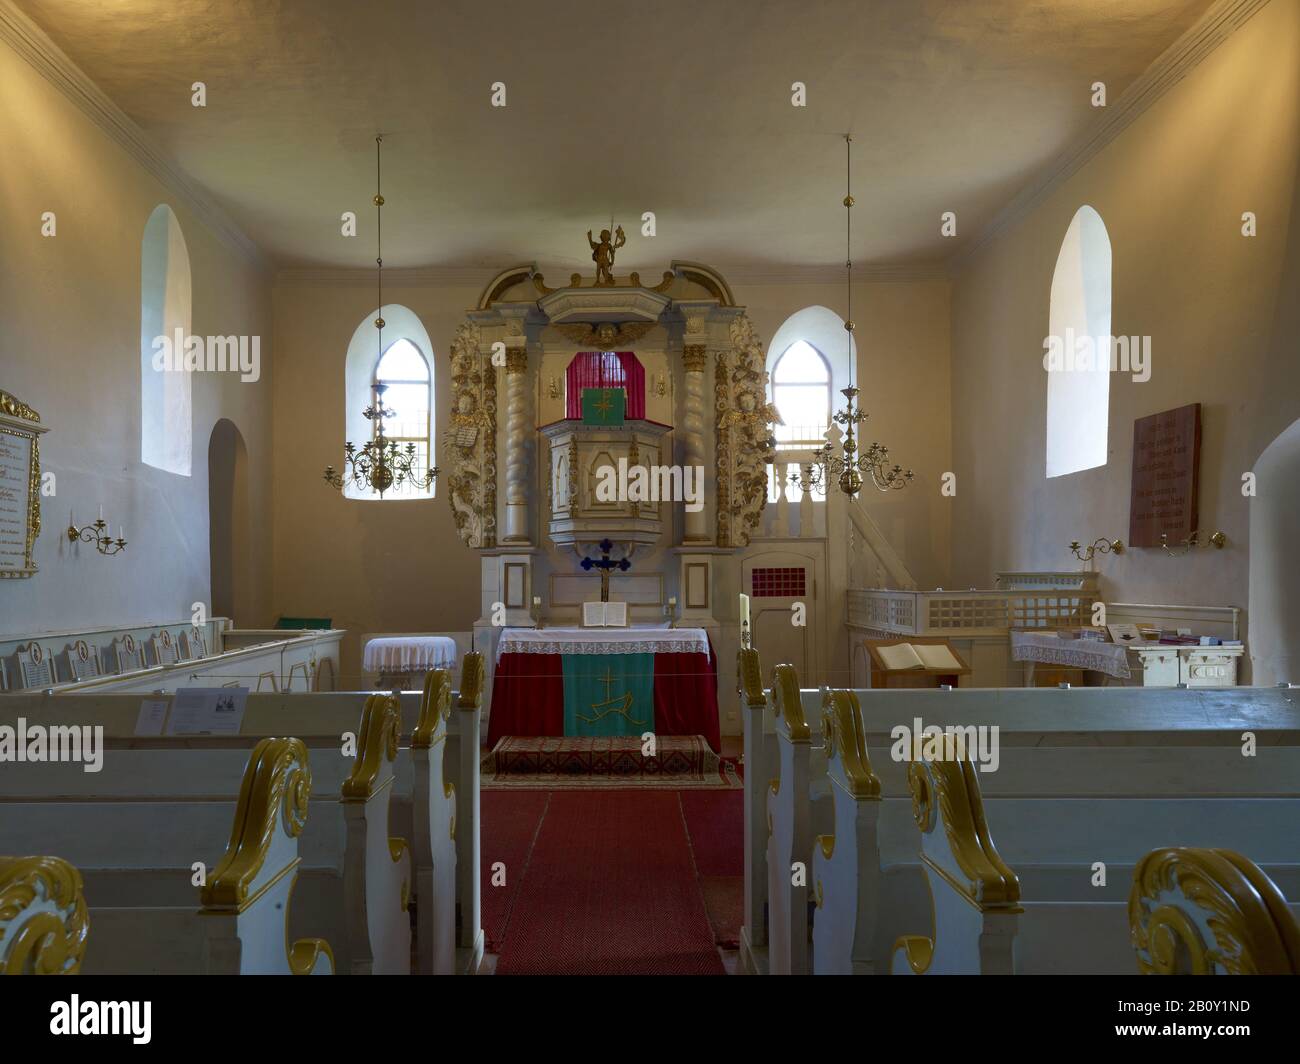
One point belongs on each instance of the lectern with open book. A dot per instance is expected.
(916, 661)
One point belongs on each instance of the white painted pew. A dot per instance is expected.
(783, 759)
(443, 825)
(761, 765)
(798, 810)
(43, 918)
(1093, 743)
(239, 921)
(987, 921)
(134, 827)
(1210, 912)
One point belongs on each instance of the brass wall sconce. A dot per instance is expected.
(553, 389)
(1098, 546)
(1217, 541)
(97, 533)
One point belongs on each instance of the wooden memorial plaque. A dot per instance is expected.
(37, 667)
(84, 661)
(1166, 477)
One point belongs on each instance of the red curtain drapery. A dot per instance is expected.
(605, 369)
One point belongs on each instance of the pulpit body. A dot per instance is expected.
(586, 461)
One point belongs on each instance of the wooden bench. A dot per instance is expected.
(237, 923)
(1093, 742)
(1037, 906)
(424, 800)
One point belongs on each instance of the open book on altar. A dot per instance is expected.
(604, 614)
(930, 656)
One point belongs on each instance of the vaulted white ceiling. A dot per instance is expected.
(680, 107)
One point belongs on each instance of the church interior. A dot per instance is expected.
(719, 489)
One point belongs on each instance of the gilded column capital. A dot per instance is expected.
(516, 360)
(693, 357)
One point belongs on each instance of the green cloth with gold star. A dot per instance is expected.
(603, 406)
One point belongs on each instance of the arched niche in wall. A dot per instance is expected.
(166, 417)
(1077, 351)
(229, 522)
(1274, 606)
(363, 358)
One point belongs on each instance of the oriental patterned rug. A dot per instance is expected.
(680, 762)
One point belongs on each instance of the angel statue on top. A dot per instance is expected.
(602, 254)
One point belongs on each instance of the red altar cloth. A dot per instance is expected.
(528, 696)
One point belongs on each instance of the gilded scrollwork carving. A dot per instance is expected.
(1204, 912)
(745, 443)
(472, 439)
(43, 916)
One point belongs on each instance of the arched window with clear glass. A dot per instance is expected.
(801, 391)
(402, 378)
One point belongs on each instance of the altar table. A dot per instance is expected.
(605, 681)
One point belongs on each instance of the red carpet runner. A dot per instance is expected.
(609, 883)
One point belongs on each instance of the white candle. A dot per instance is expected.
(672, 600)
(537, 600)
(101, 511)
(121, 533)
(744, 611)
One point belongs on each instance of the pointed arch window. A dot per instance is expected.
(402, 373)
(801, 391)
(1078, 348)
(166, 412)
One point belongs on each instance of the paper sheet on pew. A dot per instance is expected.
(207, 711)
(153, 715)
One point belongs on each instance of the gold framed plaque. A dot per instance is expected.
(20, 486)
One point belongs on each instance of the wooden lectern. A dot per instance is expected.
(881, 675)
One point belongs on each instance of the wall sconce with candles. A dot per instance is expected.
(1098, 546)
(1217, 541)
(97, 533)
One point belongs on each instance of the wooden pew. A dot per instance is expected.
(787, 803)
(445, 806)
(43, 920)
(1163, 747)
(238, 923)
(1210, 912)
(986, 921)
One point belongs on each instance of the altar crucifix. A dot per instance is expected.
(606, 565)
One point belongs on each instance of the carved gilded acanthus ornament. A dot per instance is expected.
(749, 678)
(43, 919)
(381, 724)
(744, 441)
(947, 790)
(272, 797)
(472, 439)
(1207, 912)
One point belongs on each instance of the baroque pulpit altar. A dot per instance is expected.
(619, 415)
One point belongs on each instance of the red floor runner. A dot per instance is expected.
(509, 821)
(715, 821)
(610, 887)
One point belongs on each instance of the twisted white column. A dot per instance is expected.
(693, 358)
(516, 446)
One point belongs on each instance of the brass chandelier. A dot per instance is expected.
(381, 464)
(848, 467)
